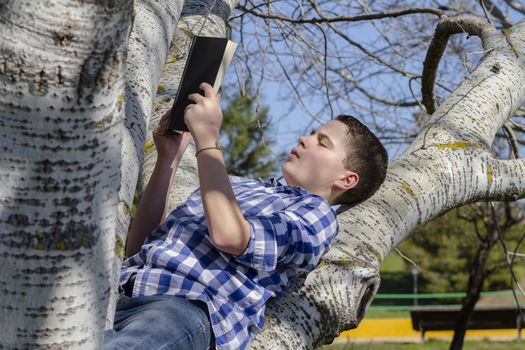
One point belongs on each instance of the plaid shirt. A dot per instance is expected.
(290, 229)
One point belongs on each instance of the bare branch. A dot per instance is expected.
(477, 231)
(445, 28)
(513, 141)
(384, 100)
(358, 18)
(370, 54)
(482, 3)
(325, 71)
(290, 81)
(517, 125)
(489, 6)
(516, 5)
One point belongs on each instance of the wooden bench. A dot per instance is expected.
(440, 318)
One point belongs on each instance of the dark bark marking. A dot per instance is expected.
(56, 235)
(60, 78)
(18, 220)
(40, 84)
(63, 37)
(496, 68)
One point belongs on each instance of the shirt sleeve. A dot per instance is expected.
(296, 237)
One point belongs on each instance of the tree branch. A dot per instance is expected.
(496, 12)
(513, 141)
(516, 5)
(370, 54)
(445, 28)
(357, 18)
(317, 9)
(383, 100)
(517, 126)
(505, 179)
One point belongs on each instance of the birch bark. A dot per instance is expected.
(62, 93)
(148, 47)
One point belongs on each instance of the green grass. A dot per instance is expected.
(395, 275)
(394, 263)
(428, 345)
(387, 314)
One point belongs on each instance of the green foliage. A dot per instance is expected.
(445, 249)
(246, 142)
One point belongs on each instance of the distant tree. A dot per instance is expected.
(445, 249)
(456, 254)
(246, 141)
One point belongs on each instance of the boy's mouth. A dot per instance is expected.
(294, 152)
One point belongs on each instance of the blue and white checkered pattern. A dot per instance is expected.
(290, 230)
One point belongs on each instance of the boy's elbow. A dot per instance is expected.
(228, 247)
(231, 241)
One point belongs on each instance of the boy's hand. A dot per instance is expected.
(170, 145)
(204, 117)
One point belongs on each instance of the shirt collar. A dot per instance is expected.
(278, 183)
(275, 182)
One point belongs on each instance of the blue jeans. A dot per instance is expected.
(159, 322)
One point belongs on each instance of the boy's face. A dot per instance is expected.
(316, 163)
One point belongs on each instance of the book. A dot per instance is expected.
(208, 60)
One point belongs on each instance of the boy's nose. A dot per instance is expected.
(302, 141)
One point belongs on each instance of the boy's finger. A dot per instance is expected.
(188, 107)
(159, 130)
(208, 90)
(196, 98)
(164, 118)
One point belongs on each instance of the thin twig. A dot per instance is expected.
(509, 262)
(423, 108)
(512, 140)
(482, 3)
(408, 259)
(357, 18)
(325, 75)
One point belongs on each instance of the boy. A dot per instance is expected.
(202, 278)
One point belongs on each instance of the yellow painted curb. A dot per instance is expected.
(402, 327)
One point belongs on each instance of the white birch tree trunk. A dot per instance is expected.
(448, 165)
(62, 93)
(148, 47)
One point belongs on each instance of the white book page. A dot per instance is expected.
(229, 51)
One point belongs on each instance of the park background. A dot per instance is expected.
(64, 224)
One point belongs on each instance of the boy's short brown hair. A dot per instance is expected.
(366, 156)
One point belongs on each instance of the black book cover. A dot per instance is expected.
(207, 61)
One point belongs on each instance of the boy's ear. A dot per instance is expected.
(348, 181)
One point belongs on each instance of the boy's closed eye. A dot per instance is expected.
(323, 139)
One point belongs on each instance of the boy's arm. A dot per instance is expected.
(295, 237)
(153, 203)
(229, 230)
